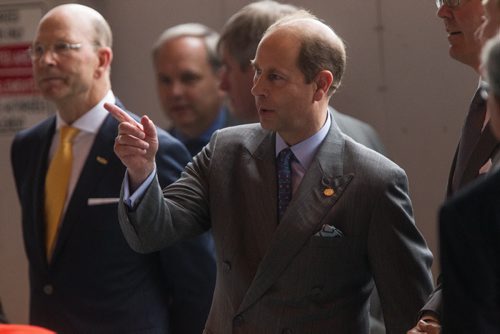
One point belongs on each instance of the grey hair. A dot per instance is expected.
(208, 35)
(490, 57)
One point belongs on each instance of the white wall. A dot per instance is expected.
(399, 79)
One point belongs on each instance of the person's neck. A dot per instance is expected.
(195, 130)
(72, 109)
(309, 129)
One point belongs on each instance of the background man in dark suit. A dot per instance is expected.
(477, 147)
(88, 280)
(187, 70)
(470, 221)
(237, 45)
(302, 257)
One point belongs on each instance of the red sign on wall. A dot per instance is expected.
(21, 105)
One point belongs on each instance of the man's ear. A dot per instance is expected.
(323, 81)
(105, 56)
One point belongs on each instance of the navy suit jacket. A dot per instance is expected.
(470, 247)
(95, 283)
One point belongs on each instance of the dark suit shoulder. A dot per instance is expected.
(246, 135)
(36, 132)
(358, 130)
(478, 193)
(367, 162)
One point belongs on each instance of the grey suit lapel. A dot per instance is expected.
(263, 195)
(304, 214)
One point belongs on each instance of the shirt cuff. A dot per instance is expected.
(131, 200)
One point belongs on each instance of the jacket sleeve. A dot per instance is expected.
(398, 255)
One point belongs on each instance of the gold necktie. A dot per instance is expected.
(56, 186)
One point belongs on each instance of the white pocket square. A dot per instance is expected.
(102, 201)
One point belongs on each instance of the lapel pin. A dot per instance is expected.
(328, 192)
(101, 160)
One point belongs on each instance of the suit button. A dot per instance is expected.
(238, 320)
(286, 331)
(48, 289)
(227, 266)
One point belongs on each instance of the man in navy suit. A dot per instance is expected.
(187, 69)
(89, 280)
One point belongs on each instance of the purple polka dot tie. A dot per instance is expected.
(284, 166)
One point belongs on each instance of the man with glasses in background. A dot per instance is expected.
(84, 278)
(477, 147)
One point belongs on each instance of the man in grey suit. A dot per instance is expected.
(237, 45)
(305, 265)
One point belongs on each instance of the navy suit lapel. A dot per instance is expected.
(100, 157)
(40, 171)
(304, 215)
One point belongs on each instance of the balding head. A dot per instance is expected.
(320, 47)
(89, 18)
(72, 58)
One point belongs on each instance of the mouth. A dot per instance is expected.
(179, 108)
(49, 80)
(264, 111)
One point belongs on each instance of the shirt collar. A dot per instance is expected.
(305, 151)
(91, 121)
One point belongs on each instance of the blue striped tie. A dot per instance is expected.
(284, 180)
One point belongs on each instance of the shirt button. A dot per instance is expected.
(238, 320)
(227, 266)
(48, 289)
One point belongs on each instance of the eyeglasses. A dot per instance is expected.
(449, 3)
(59, 49)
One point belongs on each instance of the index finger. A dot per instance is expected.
(120, 115)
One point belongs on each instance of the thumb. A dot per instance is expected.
(149, 128)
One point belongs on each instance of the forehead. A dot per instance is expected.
(183, 44)
(181, 54)
(278, 49)
(61, 26)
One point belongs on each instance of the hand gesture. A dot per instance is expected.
(135, 145)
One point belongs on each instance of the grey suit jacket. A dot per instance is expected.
(282, 278)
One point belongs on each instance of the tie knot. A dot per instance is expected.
(68, 133)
